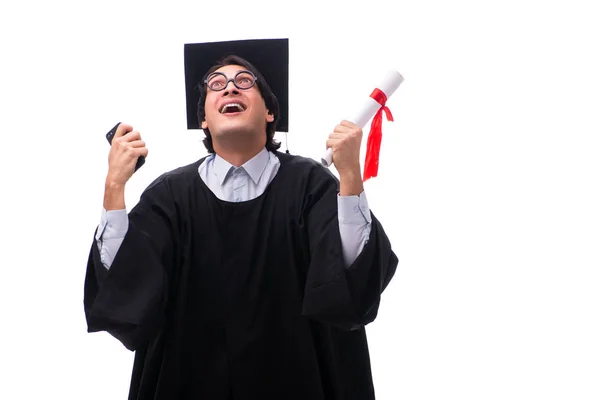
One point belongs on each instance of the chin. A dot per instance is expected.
(232, 132)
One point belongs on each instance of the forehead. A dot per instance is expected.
(231, 69)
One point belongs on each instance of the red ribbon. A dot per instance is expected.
(374, 139)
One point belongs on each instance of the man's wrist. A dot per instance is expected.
(351, 183)
(114, 195)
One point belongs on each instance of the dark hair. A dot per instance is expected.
(271, 102)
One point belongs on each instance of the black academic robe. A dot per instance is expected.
(241, 301)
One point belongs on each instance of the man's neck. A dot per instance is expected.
(238, 156)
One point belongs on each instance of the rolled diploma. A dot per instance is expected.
(388, 85)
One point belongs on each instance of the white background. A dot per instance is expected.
(488, 185)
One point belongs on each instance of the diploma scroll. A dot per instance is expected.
(388, 86)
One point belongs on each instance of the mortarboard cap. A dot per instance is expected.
(269, 56)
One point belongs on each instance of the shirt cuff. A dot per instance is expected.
(354, 209)
(101, 226)
(113, 224)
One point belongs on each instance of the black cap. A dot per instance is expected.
(269, 56)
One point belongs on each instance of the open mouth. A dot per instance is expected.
(231, 108)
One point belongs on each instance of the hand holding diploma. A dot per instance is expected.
(373, 107)
(344, 144)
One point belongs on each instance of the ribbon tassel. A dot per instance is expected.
(375, 136)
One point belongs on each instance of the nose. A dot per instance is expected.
(233, 90)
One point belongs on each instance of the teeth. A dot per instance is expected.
(236, 105)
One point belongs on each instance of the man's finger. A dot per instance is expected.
(123, 129)
(143, 151)
(331, 143)
(337, 135)
(134, 152)
(137, 143)
(348, 124)
(132, 136)
(346, 129)
(342, 128)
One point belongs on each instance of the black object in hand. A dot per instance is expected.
(109, 136)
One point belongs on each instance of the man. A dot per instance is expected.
(248, 274)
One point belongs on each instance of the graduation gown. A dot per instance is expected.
(241, 301)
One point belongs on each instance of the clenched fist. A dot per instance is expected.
(127, 146)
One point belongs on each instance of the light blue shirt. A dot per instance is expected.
(235, 184)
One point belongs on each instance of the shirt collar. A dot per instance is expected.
(254, 167)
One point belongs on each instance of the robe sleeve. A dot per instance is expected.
(335, 294)
(128, 300)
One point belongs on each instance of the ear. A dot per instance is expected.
(270, 117)
(204, 125)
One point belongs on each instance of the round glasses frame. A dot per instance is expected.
(254, 79)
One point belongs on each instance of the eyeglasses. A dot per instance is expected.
(218, 81)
